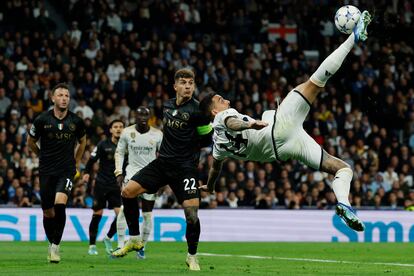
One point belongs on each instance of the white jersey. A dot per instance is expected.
(141, 149)
(248, 144)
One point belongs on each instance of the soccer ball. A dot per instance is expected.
(346, 18)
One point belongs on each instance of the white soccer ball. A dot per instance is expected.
(346, 18)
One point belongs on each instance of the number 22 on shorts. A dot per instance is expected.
(189, 184)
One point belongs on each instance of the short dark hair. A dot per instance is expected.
(116, 121)
(206, 105)
(59, 86)
(184, 73)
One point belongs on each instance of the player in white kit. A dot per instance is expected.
(280, 134)
(141, 142)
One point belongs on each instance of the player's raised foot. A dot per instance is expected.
(192, 262)
(54, 254)
(92, 250)
(108, 245)
(347, 214)
(360, 29)
(131, 245)
(141, 254)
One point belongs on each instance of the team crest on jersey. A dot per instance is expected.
(185, 116)
(60, 126)
(132, 135)
(72, 127)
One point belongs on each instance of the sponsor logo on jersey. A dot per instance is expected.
(175, 124)
(60, 126)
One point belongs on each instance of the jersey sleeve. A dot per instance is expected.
(221, 117)
(80, 129)
(121, 149)
(217, 154)
(36, 128)
(159, 141)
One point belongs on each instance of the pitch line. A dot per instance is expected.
(302, 259)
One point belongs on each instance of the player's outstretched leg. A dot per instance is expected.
(148, 201)
(107, 239)
(360, 30)
(93, 231)
(121, 226)
(341, 186)
(131, 212)
(192, 234)
(311, 88)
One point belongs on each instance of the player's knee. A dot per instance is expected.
(128, 192)
(343, 165)
(191, 215)
(347, 169)
(49, 213)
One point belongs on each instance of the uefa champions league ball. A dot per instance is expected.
(346, 18)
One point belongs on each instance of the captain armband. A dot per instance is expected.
(203, 130)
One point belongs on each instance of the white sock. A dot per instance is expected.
(146, 226)
(135, 238)
(332, 63)
(342, 184)
(121, 225)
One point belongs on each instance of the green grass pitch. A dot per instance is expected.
(29, 258)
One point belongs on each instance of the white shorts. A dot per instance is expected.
(292, 141)
(149, 197)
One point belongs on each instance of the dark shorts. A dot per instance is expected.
(52, 184)
(182, 180)
(106, 199)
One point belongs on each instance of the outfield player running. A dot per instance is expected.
(185, 131)
(142, 143)
(62, 143)
(106, 190)
(281, 135)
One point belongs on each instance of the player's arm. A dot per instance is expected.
(31, 141)
(121, 149)
(80, 149)
(34, 135)
(205, 133)
(95, 155)
(237, 124)
(213, 174)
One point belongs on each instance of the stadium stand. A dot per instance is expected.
(117, 55)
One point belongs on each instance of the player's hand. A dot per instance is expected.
(85, 178)
(206, 189)
(257, 124)
(120, 180)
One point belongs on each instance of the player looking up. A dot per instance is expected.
(142, 143)
(106, 190)
(185, 130)
(62, 143)
(280, 136)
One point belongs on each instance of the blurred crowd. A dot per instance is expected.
(117, 55)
